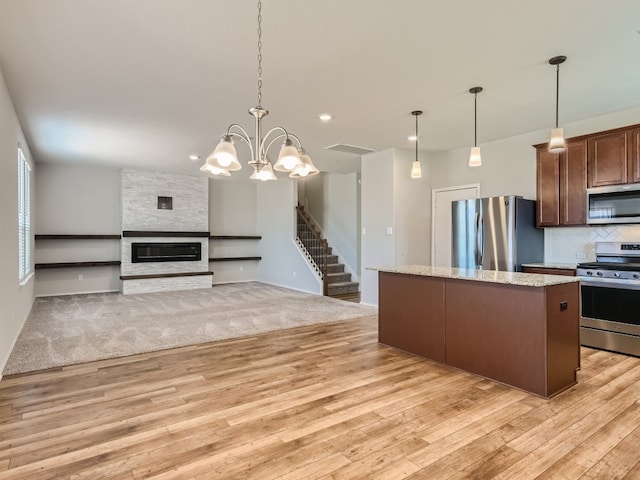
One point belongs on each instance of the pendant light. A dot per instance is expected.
(416, 171)
(557, 143)
(475, 160)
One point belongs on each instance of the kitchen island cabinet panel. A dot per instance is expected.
(563, 335)
(495, 331)
(515, 328)
(414, 308)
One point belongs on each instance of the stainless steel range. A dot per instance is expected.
(610, 297)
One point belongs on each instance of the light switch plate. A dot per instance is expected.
(389, 231)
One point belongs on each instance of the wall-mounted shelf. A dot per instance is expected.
(40, 266)
(230, 259)
(82, 236)
(163, 233)
(235, 237)
(77, 237)
(164, 275)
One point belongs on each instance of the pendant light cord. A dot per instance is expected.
(557, 91)
(259, 54)
(416, 138)
(475, 119)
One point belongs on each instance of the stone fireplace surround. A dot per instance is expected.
(146, 218)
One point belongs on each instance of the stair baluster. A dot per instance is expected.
(316, 246)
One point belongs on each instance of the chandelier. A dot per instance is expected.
(292, 157)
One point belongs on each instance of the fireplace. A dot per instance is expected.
(166, 252)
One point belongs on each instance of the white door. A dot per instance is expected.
(441, 199)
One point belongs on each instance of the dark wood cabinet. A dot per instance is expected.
(548, 191)
(608, 159)
(561, 185)
(411, 314)
(519, 335)
(633, 138)
(573, 184)
(599, 159)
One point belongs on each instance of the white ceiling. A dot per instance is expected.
(144, 83)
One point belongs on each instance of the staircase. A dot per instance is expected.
(337, 282)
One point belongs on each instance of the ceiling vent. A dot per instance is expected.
(352, 149)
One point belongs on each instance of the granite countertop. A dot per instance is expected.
(493, 276)
(561, 266)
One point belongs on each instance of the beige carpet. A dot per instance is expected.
(74, 329)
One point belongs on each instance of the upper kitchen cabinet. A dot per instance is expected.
(561, 185)
(633, 138)
(547, 187)
(608, 158)
(573, 183)
(595, 160)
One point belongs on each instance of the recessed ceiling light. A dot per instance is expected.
(412, 138)
(193, 157)
(325, 117)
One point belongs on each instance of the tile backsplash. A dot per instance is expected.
(567, 245)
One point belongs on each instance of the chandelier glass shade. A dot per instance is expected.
(306, 169)
(292, 157)
(266, 173)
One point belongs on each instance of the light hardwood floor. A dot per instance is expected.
(325, 401)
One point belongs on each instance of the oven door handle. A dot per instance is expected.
(620, 284)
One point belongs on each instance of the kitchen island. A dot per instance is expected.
(516, 328)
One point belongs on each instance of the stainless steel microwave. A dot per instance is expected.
(614, 204)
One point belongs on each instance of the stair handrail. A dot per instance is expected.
(322, 261)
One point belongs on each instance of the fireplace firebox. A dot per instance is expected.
(166, 252)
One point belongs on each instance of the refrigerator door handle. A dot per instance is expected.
(478, 254)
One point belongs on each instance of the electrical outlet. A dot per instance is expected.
(80, 277)
(581, 255)
(294, 274)
(242, 269)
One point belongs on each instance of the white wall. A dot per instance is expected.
(15, 300)
(333, 201)
(233, 211)
(391, 199)
(282, 263)
(412, 209)
(377, 248)
(77, 199)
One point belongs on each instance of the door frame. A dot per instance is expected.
(434, 194)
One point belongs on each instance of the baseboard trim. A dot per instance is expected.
(75, 293)
(289, 287)
(13, 344)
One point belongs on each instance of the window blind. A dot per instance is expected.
(24, 216)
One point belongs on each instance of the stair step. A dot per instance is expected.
(332, 259)
(335, 267)
(338, 277)
(313, 250)
(342, 287)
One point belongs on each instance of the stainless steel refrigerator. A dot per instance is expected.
(495, 233)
